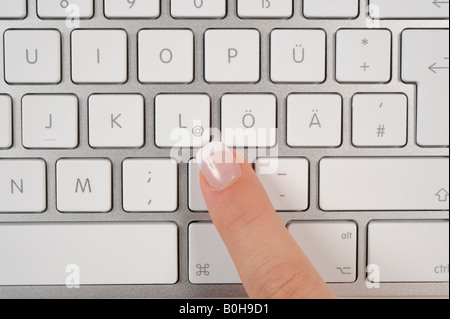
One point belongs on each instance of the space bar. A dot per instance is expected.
(88, 254)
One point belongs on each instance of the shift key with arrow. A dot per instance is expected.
(425, 63)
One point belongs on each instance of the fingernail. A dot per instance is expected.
(218, 165)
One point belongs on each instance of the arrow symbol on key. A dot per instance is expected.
(433, 68)
(442, 195)
(438, 3)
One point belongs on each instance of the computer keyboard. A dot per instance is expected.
(104, 104)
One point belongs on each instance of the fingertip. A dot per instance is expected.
(257, 239)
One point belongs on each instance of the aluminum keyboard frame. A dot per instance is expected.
(183, 217)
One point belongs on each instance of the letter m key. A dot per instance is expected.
(83, 186)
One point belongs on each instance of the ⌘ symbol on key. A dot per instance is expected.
(202, 269)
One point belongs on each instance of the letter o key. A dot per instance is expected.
(166, 56)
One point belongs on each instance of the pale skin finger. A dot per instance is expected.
(269, 261)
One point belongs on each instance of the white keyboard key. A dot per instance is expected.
(249, 120)
(71, 254)
(298, 56)
(408, 9)
(286, 181)
(196, 200)
(342, 9)
(209, 260)
(99, 56)
(384, 184)
(128, 9)
(331, 246)
(50, 121)
(182, 120)
(5, 121)
(166, 56)
(409, 251)
(314, 120)
(380, 120)
(13, 9)
(150, 185)
(32, 56)
(363, 56)
(23, 186)
(425, 61)
(205, 9)
(265, 8)
(232, 56)
(57, 9)
(84, 185)
(116, 120)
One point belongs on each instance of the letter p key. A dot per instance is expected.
(232, 53)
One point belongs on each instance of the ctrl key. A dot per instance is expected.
(412, 251)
